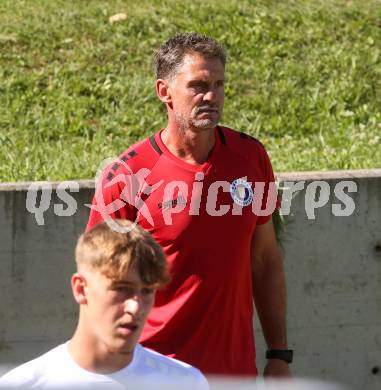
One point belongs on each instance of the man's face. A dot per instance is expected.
(197, 92)
(116, 310)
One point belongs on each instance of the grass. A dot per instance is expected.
(303, 76)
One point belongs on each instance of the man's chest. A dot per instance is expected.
(186, 202)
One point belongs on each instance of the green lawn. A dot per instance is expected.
(303, 76)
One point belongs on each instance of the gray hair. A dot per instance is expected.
(169, 56)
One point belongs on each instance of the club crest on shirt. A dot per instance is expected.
(241, 192)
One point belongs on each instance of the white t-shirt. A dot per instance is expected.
(147, 370)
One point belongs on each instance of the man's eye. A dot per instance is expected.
(123, 290)
(199, 86)
(148, 290)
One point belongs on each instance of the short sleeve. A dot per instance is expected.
(270, 199)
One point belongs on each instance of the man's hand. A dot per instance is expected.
(276, 368)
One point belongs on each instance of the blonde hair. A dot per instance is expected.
(113, 253)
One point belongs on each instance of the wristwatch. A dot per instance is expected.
(281, 354)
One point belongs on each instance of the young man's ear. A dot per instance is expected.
(162, 91)
(78, 286)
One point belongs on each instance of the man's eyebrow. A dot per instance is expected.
(121, 283)
(203, 81)
(197, 81)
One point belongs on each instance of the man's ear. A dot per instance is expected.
(162, 91)
(78, 286)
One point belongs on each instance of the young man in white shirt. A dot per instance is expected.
(117, 275)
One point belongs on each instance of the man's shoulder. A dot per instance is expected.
(141, 150)
(239, 139)
(157, 360)
(171, 368)
(142, 155)
(29, 373)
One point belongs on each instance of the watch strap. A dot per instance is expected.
(282, 354)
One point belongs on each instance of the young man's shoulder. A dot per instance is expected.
(170, 370)
(148, 370)
(30, 374)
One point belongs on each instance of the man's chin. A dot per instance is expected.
(204, 124)
(122, 348)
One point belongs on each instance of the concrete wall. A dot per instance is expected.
(333, 267)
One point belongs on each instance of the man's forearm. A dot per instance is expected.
(269, 289)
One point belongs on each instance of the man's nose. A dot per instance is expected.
(133, 304)
(210, 96)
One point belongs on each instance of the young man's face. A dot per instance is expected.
(197, 92)
(116, 310)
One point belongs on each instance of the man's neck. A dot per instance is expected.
(92, 356)
(193, 146)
